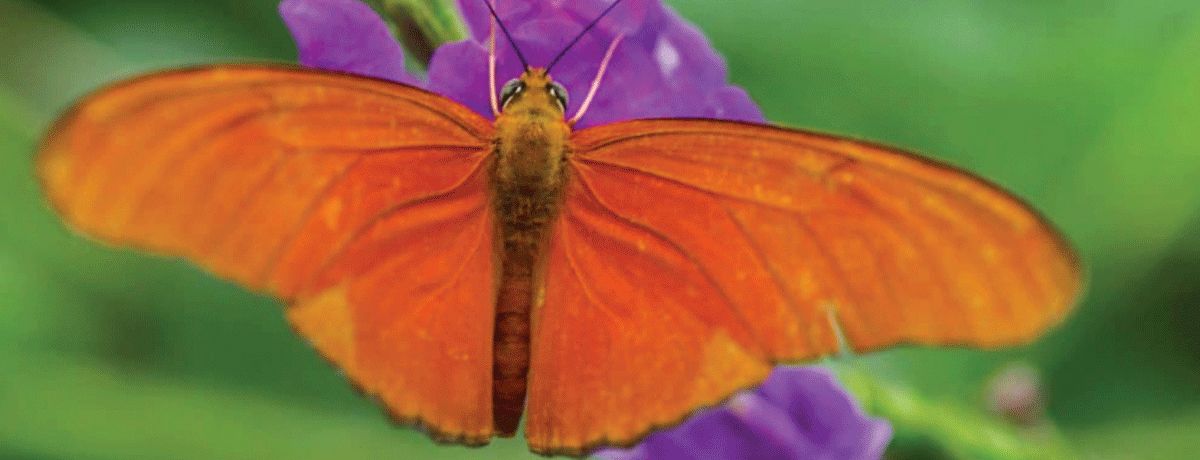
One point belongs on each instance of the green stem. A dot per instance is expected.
(928, 429)
(423, 25)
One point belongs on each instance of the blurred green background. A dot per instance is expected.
(1089, 109)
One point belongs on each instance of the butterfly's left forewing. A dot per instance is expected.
(691, 255)
(361, 203)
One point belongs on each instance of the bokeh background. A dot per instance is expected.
(1089, 109)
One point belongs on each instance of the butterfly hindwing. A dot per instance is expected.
(693, 254)
(337, 194)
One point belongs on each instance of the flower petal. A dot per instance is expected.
(344, 36)
(476, 15)
(733, 103)
(824, 411)
(796, 413)
(450, 77)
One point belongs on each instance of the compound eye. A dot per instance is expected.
(510, 89)
(560, 95)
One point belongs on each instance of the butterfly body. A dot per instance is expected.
(527, 183)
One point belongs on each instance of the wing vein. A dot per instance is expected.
(458, 272)
(218, 234)
(775, 139)
(1020, 259)
(933, 262)
(776, 277)
(293, 232)
(211, 137)
(839, 271)
(385, 213)
(737, 312)
(710, 192)
(152, 100)
(583, 285)
(131, 160)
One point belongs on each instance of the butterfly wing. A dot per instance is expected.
(691, 255)
(361, 203)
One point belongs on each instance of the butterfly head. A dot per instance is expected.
(535, 94)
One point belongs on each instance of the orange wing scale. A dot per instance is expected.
(693, 254)
(362, 203)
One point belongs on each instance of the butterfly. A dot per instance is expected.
(602, 282)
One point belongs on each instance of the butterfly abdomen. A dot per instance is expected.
(527, 182)
(524, 214)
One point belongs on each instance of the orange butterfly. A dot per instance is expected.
(606, 281)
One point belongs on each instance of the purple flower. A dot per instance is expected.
(799, 412)
(664, 67)
(344, 35)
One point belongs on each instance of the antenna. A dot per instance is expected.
(577, 37)
(596, 82)
(506, 34)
